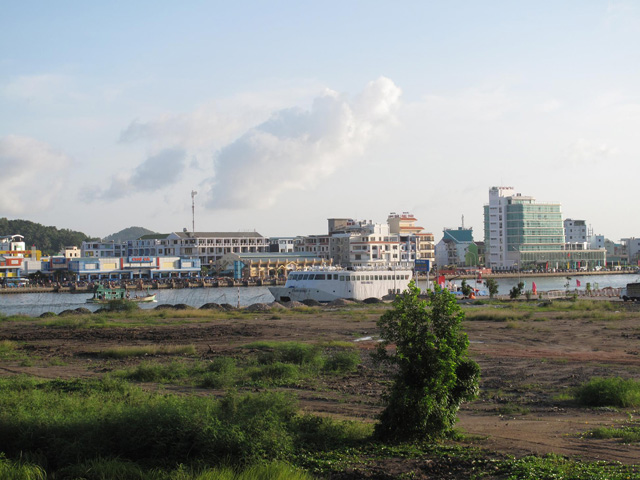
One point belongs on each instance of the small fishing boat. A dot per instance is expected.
(103, 294)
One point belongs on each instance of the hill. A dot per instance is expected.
(131, 233)
(50, 240)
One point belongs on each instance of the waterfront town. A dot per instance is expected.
(520, 235)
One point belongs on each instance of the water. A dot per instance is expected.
(34, 304)
(555, 283)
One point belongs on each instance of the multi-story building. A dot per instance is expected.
(457, 248)
(416, 243)
(12, 245)
(315, 244)
(281, 244)
(129, 268)
(575, 231)
(522, 233)
(208, 247)
(633, 250)
(110, 249)
(374, 246)
(71, 252)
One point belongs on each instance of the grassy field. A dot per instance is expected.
(163, 401)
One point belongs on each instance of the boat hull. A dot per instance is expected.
(147, 299)
(289, 294)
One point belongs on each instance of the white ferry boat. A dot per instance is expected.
(329, 285)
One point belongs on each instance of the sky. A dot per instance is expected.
(283, 114)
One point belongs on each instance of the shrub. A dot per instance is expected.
(342, 361)
(276, 373)
(612, 392)
(287, 352)
(122, 305)
(434, 375)
(68, 423)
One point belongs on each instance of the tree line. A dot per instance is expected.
(49, 240)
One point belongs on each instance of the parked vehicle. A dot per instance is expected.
(631, 292)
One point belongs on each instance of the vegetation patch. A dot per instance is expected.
(627, 433)
(609, 392)
(69, 423)
(145, 350)
(495, 315)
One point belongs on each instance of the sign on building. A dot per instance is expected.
(423, 265)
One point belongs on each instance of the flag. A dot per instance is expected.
(577, 282)
(534, 288)
(441, 281)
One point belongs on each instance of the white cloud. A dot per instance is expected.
(296, 149)
(33, 173)
(155, 173)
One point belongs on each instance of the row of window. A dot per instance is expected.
(347, 278)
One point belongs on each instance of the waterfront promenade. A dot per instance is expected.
(180, 283)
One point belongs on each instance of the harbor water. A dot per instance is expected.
(34, 304)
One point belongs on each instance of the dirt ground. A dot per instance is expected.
(527, 366)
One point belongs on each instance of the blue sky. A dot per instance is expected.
(283, 114)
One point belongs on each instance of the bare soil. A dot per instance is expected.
(528, 368)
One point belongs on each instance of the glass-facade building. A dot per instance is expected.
(521, 233)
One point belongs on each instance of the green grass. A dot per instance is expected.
(261, 364)
(67, 423)
(159, 372)
(556, 467)
(19, 470)
(145, 350)
(110, 429)
(512, 409)
(495, 315)
(609, 392)
(627, 433)
(7, 349)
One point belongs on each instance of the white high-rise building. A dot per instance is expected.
(575, 231)
(519, 231)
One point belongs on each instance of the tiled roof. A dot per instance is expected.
(459, 235)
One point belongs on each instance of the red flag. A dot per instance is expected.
(534, 288)
(577, 282)
(441, 281)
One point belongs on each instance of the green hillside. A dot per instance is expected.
(131, 233)
(50, 240)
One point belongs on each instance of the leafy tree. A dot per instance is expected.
(492, 286)
(49, 240)
(433, 373)
(516, 291)
(466, 288)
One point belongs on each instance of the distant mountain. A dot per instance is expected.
(131, 233)
(49, 240)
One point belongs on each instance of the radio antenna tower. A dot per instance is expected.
(193, 211)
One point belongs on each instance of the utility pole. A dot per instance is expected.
(193, 211)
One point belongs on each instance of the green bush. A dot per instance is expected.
(612, 392)
(122, 305)
(276, 373)
(157, 372)
(342, 361)
(434, 374)
(67, 423)
(325, 433)
(287, 352)
(222, 372)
